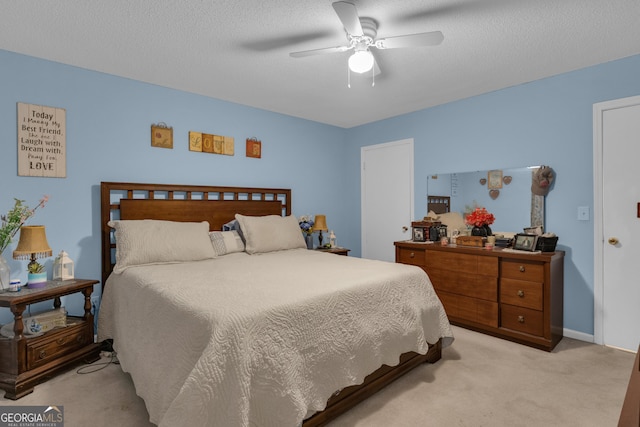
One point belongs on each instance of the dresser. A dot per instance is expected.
(511, 295)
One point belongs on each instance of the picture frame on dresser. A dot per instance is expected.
(525, 242)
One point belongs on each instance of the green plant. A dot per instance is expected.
(14, 219)
(35, 267)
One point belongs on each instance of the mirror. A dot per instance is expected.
(506, 193)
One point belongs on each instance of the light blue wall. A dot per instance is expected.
(108, 139)
(544, 122)
(108, 120)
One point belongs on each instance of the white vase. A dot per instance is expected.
(5, 274)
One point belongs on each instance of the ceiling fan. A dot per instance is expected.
(361, 37)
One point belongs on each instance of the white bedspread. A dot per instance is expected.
(262, 340)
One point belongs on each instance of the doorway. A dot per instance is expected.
(386, 172)
(616, 144)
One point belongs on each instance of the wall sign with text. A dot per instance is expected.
(42, 141)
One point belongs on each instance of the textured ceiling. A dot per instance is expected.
(239, 50)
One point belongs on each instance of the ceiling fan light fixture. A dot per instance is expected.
(361, 61)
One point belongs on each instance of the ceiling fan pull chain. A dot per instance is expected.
(373, 76)
(348, 77)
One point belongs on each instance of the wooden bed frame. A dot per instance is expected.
(439, 204)
(218, 205)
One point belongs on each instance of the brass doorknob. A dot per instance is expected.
(613, 241)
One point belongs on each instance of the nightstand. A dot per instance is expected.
(29, 360)
(338, 251)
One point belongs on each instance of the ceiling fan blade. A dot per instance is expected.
(349, 17)
(322, 51)
(432, 38)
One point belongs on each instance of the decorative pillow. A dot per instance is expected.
(226, 242)
(234, 225)
(270, 233)
(141, 242)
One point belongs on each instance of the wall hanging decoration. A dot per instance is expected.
(195, 141)
(507, 179)
(209, 143)
(494, 179)
(161, 136)
(42, 141)
(254, 148)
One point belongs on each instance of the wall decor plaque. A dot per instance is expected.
(42, 141)
(161, 136)
(254, 148)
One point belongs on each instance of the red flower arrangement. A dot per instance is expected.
(480, 217)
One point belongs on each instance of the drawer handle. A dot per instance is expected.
(412, 255)
(521, 319)
(43, 354)
(522, 269)
(60, 341)
(80, 339)
(521, 293)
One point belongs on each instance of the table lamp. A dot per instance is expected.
(32, 244)
(320, 225)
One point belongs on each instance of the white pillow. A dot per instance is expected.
(226, 242)
(270, 233)
(453, 221)
(141, 242)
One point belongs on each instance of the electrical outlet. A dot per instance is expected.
(583, 213)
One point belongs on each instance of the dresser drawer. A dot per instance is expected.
(57, 343)
(411, 256)
(522, 270)
(470, 285)
(464, 263)
(470, 309)
(521, 293)
(522, 319)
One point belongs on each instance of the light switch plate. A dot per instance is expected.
(583, 213)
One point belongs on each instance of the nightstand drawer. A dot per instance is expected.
(522, 319)
(521, 293)
(523, 270)
(57, 343)
(411, 256)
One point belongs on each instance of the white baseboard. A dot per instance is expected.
(580, 336)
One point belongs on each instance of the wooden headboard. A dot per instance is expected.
(218, 205)
(439, 204)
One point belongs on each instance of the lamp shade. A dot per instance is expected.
(320, 223)
(33, 243)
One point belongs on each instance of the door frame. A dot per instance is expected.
(598, 211)
(410, 143)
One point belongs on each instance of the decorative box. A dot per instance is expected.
(476, 241)
(546, 244)
(421, 230)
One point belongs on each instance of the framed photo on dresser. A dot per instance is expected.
(525, 242)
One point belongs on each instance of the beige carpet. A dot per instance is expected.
(480, 381)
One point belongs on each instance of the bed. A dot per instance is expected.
(271, 334)
(438, 204)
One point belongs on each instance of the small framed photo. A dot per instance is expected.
(525, 242)
(494, 179)
(419, 234)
